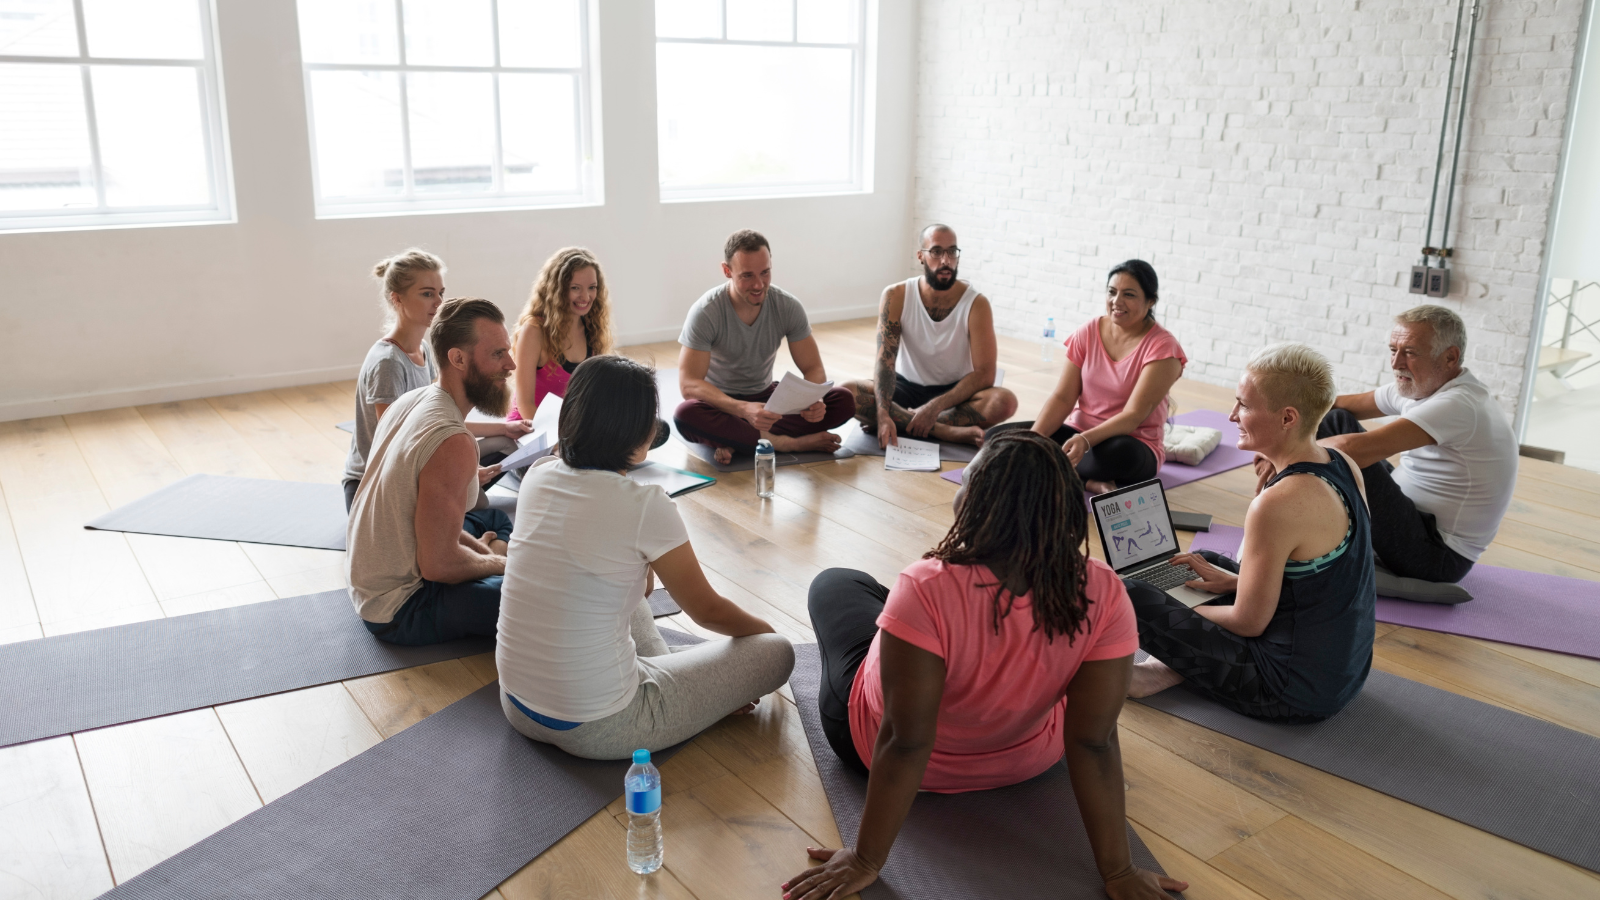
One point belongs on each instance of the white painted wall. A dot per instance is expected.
(1271, 158)
(99, 319)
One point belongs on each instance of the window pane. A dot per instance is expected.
(357, 120)
(760, 20)
(689, 18)
(152, 141)
(143, 29)
(348, 31)
(452, 131)
(799, 132)
(38, 28)
(44, 146)
(827, 21)
(541, 34)
(449, 33)
(538, 124)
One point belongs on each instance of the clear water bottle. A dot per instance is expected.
(642, 789)
(766, 470)
(1049, 339)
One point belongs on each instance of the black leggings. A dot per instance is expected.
(1212, 660)
(1121, 460)
(844, 606)
(1404, 537)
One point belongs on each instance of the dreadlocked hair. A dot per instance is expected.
(1023, 510)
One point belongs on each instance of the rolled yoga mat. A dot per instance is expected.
(1225, 458)
(857, 441)
(1547, 612)
(667, 388)
(223, 508)
(1512, 775)
(1026, 840)
(89, 679)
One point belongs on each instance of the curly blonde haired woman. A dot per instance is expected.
(567, 320)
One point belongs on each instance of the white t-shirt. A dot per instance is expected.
(575, 570)
(1466, 478)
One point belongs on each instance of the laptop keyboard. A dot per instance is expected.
(1166, 577)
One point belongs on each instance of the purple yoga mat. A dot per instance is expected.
(1226, 457)
(1547, 612)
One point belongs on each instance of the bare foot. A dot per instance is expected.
(723, 455)
(959, 434)
(1098, 487)
(748, 708)
(825, 441)
(1152, 677)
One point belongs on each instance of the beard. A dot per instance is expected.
(940, 280)
(492, 396)
(1406, 386)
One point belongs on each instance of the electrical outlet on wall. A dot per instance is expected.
(1419, 279)
(1438, 282)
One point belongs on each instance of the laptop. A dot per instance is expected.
(1137, 535)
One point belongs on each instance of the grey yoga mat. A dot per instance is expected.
(445, 810)
(223, 508)
(667, 388)
(1512, 775)
(89, 679)
(1026, 840)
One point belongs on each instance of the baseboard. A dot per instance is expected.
(189, 390)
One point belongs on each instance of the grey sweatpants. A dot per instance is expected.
(681, 693)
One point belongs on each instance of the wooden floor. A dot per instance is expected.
(80, 813)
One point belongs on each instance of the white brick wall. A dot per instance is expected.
(1271, 158)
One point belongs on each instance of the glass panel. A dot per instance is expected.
(449, 33)
(827, 21)
(689, 18)
(357, 120)
(542, 34)
(147, 29)
(45, 161)
(348, 31)
(152, 137)
(799, 133)
(452, 131)
(538, 125)
(38, 28)
(760, 20)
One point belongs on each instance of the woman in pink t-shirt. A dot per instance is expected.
(1112, 396)
(1001, 651)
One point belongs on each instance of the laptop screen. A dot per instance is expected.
(1134, 525)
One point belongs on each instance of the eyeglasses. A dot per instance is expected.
(937, 252)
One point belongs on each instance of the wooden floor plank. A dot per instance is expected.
(49, 840)
(296, 450)
(1292, 859)
(17, 608)
(181, 567)
(127, 458)
(394, 701)
(202, 441)
(1205, 883)
(1190, 807)
(81, 579)
(591, 864)
(285, 740)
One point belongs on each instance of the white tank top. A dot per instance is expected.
(934, 353)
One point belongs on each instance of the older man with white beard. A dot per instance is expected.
(1436, 514)
(422, 568)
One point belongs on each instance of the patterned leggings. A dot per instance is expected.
(1212, 660)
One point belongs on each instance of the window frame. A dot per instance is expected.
(213, 116)
(586, 142)
(863, 106)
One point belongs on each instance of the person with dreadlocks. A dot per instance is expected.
(1001, 650)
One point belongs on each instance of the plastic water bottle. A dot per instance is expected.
(766, 470)
(1049, 339)
(642, 789)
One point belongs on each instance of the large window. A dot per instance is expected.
(762, 97)
(110, 114)
(448, 105)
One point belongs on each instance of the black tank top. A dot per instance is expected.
(588, 351)
(1317, 650)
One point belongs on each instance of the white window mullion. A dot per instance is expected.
(407, 177)
(88, 110)
(498, 163)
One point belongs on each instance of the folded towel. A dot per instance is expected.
(1189, 444)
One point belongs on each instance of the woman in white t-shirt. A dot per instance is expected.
(582, 665)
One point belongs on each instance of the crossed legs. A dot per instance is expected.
(963, 423)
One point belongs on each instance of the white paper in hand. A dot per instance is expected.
(794, 394)
(912, 455)
(545, 435)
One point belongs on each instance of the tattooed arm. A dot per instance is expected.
(891, 419)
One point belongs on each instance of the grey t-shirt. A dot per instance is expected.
(742, 355)
(386, 373)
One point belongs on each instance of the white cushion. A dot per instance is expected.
(1190, 444)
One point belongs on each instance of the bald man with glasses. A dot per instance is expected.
(936, 355)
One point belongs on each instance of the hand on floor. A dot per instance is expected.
(841, 873)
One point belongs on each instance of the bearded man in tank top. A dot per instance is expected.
(936, 355)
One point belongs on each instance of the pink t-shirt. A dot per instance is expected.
(1000, 718)
(1108, 384)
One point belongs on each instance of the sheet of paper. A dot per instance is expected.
(999, 376)
(548, 417)
(795, 393)
(545, 435)
(909, 454)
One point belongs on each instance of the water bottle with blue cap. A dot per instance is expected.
(641, 788)
(766, 470)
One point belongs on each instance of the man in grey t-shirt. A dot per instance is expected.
(730, 341)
